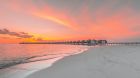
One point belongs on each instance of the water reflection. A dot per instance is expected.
(22, 53)
(26, 59)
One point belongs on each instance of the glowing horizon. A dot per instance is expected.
(68, 20)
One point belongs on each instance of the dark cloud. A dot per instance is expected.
(17, 34)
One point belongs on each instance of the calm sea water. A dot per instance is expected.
(12, 54)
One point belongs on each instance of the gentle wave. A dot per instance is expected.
(37, 53)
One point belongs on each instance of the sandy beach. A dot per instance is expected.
(69, 38)
(38, 63)
(23, 70)
(99, 62)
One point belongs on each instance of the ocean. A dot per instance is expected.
(20, 60)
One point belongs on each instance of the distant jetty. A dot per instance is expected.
(78, 42)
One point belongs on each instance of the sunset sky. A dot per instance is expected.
(41, 20)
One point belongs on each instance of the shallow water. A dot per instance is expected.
(12, 54)
(20, 60)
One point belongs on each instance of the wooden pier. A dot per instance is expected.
(78, 42)
(85, 42)
(124, 43)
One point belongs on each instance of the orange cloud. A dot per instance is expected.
(102, 22)
(117, 25)
(52, 18)
(62, 18)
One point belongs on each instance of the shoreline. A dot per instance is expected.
(99, 62)
(24, 69)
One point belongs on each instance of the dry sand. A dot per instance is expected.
(99, 62)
